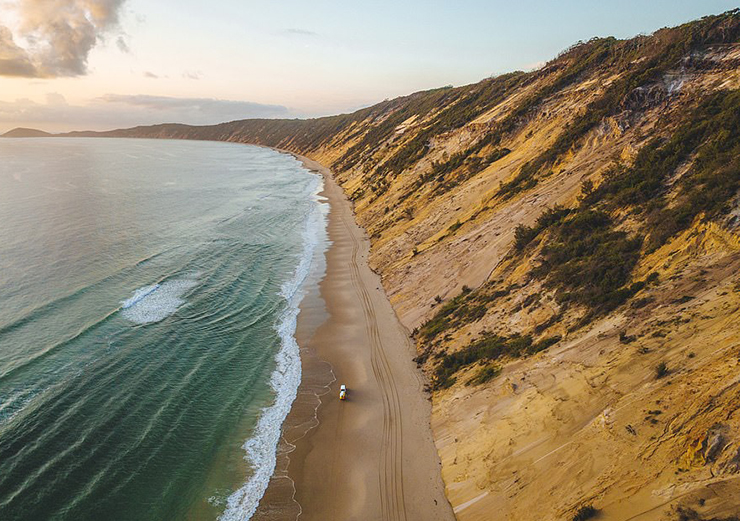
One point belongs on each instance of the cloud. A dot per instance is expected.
(59, 35)
(148, 74)
(14, 61)
(192, 75)
(119, 111)
(54, 98)
(122, 45)
(300, 32)
(202, 109)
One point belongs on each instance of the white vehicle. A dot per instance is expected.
(343, 392)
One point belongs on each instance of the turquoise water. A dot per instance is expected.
(148, 295)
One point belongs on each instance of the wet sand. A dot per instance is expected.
(371, 456)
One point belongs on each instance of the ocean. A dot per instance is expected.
(149, 291)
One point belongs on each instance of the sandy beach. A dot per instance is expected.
(372, 456)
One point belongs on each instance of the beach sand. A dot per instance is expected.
(371, 456)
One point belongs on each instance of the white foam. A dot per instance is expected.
(156, 302)
(261, 449)
(12, 405)
(139, 294)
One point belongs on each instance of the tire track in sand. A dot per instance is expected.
(390, 475)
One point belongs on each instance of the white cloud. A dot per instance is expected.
(14, 61)
(54, 98)
(122, 45)
(294, 31)
(208, 110)
(58, 36)
(192, 75)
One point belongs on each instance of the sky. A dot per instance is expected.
(103, 64)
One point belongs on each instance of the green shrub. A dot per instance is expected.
(465, 109)
(664, 54)
(642, 302)
(585, 512)
(447, 316)
(464, 165)
(488, 348)
(688, 514)
(497, 154)
(711, 136)
(544, 344)
(589, 263)
(523, 235)
(486, 374)
(454, 227)
(521, 182)
(469, 306)
(434, 327)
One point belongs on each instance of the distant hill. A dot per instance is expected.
(26, 132)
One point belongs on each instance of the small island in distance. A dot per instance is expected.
(26, 132)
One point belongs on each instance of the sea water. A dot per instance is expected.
(148, 299)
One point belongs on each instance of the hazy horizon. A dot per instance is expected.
(105, 64)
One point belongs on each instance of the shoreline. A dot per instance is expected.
(373, 456)
(286, 379)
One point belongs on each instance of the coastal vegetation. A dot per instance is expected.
(644, 68)
(661, 370)
(560, 197)
(467, 307)
(488, 348)
(523, 235)
(587, 253)
(484, 96)
(689, 514)
(588, 259)
(585, 512)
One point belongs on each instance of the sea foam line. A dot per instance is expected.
(261, 448)
(158, 301)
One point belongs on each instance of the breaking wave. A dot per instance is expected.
(153, 303)
(261, 448)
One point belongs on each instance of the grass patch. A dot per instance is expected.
(452, 313)
(465, 109)
(464, 164)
